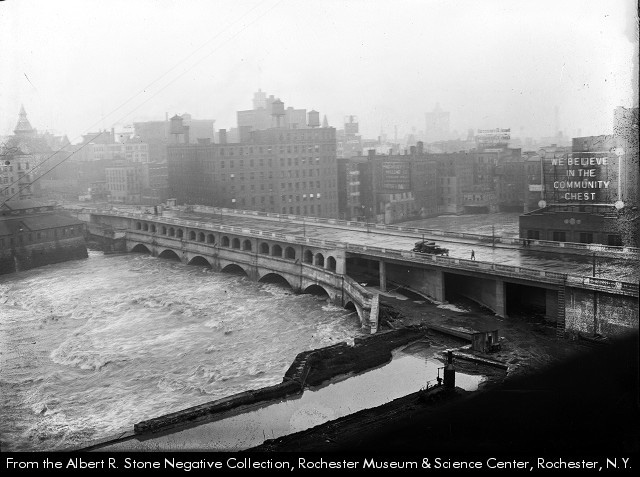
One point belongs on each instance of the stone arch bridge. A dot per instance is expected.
(307, 267)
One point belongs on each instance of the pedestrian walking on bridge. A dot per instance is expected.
(473, 254)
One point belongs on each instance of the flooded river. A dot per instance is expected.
(89, 347)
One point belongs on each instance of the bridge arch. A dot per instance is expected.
(331, 263)
(317, 290)
(272, 277)
(140, 248)
(276, 250)
(225, 241)
(246, 245)
(180, 233)
(264, 248)
(211, 238)
(199, 261)
(235, 243)
(319, 260)
(308, 257)
(192, 235)
(290, 253)
(169, 254)
(234, 269)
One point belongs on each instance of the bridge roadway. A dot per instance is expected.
(624, 267)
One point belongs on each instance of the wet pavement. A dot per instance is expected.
(575, 262)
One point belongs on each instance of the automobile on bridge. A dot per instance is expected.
(430, 247)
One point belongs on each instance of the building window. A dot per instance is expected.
(614, 240)
(533, 234)
(586, 237)
(559, 236)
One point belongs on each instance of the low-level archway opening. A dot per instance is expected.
(211, 238)
(350, 306)
(264, 248)
(319, 260)
(180, 233)
(318, 291)
(469, 293)
(225, 241)
(276, 251)
(275, 279)
(353, 315)
(234, 269)
(145, 227)
(246, 245)
(169, 255)
(235, 243)
(201, 237)
(192, 235)
(331, 263)
(138, 226)
(153, 228)
(531, 304)
(164, 230)
(172, 232)
(140, 248)
(199, 261)
(290, 253)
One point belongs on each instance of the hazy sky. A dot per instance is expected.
(491, 63)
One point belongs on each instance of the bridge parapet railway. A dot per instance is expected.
(479, 268)
(304, 261)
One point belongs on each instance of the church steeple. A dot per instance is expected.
(23, 128)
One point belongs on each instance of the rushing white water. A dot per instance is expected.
(89, 347)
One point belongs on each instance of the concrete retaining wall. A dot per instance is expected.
(308, 368)
(614, 315)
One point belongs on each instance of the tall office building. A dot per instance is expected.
(285, 169)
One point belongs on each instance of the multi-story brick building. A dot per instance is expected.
(283, 170)
(125, 182)
(454, 175)
(388, 188)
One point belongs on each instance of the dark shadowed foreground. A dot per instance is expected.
(586, 405)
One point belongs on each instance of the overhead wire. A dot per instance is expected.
(22, 186)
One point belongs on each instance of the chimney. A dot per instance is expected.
(186, 135)
(222, 136)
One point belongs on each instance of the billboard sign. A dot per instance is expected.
(396, 175)
(493, 137)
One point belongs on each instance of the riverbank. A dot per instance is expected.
(557, 397)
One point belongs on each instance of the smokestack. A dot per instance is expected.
(222, 136)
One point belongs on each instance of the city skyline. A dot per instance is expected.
(490, 64)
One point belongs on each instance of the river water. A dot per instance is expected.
(89, 347)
